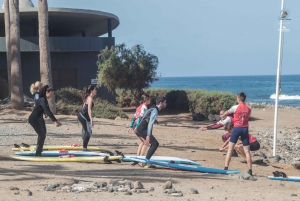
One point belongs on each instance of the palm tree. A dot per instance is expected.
(7, 37)
(17, 98)
(45, 59)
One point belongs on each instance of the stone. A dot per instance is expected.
(138, 185)
(296, 165)
(52, 187)
(12, 188)
(128, 193)
(167, 185)
(194, 191)
(177, 194)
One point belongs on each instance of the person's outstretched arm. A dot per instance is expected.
(44, 104)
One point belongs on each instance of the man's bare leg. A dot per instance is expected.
(248, 157)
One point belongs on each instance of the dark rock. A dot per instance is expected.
(12, 188)
(194, 191)
(262, 155)
(29, 193)
(198, 117)
(128, 193)
(296, 165)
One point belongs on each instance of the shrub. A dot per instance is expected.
(194, 101)
(69, 102)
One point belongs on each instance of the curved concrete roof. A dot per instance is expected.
(65, 21)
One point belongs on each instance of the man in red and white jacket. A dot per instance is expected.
(241, 114)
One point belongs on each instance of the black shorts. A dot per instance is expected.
(142, 132)
(254, 146)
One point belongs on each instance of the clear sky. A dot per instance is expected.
(205, 37)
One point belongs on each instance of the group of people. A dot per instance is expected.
(41, 110)
(235, 120)
(141, 125)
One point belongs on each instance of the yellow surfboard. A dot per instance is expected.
(59, 147)
(66, 159)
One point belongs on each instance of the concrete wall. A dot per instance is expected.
(82, 63)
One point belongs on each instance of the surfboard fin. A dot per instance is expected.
(119, 153)
(279, 174)
(105, 159)
(25, 145)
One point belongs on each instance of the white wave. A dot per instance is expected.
(285, 97)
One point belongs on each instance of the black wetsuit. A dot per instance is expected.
(144, 129)
(37, 122)
(83, 117)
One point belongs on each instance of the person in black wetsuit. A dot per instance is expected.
(85, 114)
(36, 117)
(144, 129)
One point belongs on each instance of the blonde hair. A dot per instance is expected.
(34, 87)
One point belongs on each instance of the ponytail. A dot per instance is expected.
(34, 87)
(144, 98)
(86, 91)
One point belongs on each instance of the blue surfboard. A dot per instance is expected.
(296, 179)
(167, 159)
(58, 153)
(187, 167)
(201, 169)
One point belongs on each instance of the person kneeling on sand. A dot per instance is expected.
(225, 120)
(254, 144)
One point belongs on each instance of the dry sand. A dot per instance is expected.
(178, 135)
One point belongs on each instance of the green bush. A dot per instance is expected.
(212, 102)
(69, 102)
(194, 101)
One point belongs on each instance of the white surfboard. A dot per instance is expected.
(131, 158)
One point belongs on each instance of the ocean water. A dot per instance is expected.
(259, 89)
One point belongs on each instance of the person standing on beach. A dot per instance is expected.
(241, 114)
(36, 117)
(35, 89)
(85, 114)
(144, 130)
(139, 114)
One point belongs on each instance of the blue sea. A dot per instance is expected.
(259, 89)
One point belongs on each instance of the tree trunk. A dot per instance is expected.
(7, 37)
(17, 98)
(45, 59)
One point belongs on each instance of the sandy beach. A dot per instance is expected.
(178, 136)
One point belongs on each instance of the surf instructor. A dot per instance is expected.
(145, 128)
(36, 117)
